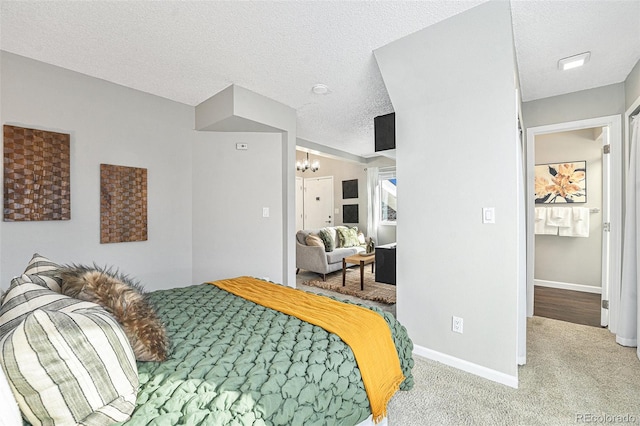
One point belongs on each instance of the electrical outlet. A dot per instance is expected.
(456, 324)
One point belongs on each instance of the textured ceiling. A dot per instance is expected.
(546, 31)
(188, 51)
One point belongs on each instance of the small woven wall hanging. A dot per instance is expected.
(123, 204)
(36, 175)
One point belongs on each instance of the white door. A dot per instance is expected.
(318, 202)
(299, 203)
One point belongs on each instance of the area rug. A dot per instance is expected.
(377, 292)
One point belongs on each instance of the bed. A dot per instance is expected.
(235, 362)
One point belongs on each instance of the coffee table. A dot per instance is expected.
(358, 259)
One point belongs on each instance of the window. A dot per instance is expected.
(388, 207)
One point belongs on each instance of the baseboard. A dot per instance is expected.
(469, 367)
(568, 286)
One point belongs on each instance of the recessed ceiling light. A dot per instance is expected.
(574, 61)
(320, 89)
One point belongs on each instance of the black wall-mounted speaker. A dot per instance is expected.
(385, 132)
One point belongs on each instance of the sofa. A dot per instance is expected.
(322, 250)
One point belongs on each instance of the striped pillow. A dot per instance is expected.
(8, 405)
(46, 271)
(67, 361)
(24, 296)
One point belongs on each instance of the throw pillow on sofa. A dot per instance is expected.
(348, 236)
(327, 239)
(361, 238)
(314, 241)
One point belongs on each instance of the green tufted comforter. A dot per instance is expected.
(234, 362)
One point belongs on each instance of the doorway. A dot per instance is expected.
(609, 212)
(318, 202)
(570, 267)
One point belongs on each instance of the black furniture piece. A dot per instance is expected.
(386, 264)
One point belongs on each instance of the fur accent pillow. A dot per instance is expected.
(125, 300)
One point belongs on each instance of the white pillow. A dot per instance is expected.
(67, 361)
(8, 405)
(44, 272)
(25, 296)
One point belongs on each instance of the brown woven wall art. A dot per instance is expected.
(36, 175)
(123, 204)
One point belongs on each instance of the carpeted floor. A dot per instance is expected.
(374, 291)
(575, 374)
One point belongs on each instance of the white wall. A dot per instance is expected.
(452, 86)
(230, 187)
(632, 86)
(340, 170)
(568, 259)
(108, 124)
(236, 109)
(599, 102)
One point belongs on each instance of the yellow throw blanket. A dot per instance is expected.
(365, 331)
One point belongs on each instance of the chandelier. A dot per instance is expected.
(306, 165)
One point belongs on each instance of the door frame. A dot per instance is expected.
(614, 124)
(299, 203)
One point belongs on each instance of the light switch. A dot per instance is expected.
(265, 212)
(488, 215)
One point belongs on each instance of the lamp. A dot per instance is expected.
(574, 61)
(320, 89)
(305, 165)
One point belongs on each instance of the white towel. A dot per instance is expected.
(559, 216)
(579, 223)
(540, 226)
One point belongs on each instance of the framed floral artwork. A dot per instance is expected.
(561, 183)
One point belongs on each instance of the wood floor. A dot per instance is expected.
(572, 306)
